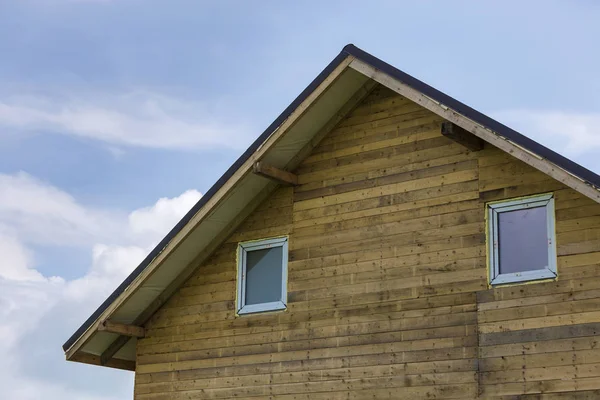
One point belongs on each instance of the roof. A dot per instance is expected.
(282, 143)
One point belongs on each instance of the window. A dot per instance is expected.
(521, 240)
(262, 276)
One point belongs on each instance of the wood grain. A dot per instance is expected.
(387, 289)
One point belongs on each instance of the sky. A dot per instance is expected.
(116, 115)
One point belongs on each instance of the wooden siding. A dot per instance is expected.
(387, 284)
(543, 338)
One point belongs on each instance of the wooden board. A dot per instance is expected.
(387, 289)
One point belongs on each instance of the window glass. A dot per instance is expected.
(523, 240)
(263, 275)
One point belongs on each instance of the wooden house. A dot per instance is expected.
(380, 240)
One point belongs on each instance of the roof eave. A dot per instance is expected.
(492, 131)
(217, 191)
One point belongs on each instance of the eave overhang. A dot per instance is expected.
(283, 145)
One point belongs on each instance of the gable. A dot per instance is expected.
(383, 184)
(364, 191)
(294, 135)
(383, 177)
(387, 252)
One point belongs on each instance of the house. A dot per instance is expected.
(380, 240)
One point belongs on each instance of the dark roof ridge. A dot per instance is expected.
(350, 49)
(490, 123)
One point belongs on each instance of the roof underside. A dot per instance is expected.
(192, 240)
(220, 218)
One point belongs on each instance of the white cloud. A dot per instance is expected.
(146, 227)
(16, 261)
(570, 133)
(23, 305)
(137, 118)
(38, 313)
(36, 212)
(163, 215)
(33, 211)
(110, 265)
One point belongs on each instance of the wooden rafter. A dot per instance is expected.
(478, 130)
(461, 136)
(275, 174)
(113, 349)
(122, 329)
(93, 359)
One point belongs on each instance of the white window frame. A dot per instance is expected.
(497, 207)
(243, 249)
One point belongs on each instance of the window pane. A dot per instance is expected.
(523, 240)
(263, 275)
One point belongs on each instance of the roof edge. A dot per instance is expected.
(348, 50)
(490, 123)
(207, 196)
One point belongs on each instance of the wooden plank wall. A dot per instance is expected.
(387, 281)
(543, 339)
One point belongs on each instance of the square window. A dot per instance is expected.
(521, 240)
(262, 276)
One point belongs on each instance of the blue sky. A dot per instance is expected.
(115, 115)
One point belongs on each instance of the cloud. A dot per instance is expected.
(145, 228)
(38, 313)
(17, 261)
(138, 119)
(23, 307)
(36, 212)
(162, 216)
(572, 133)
